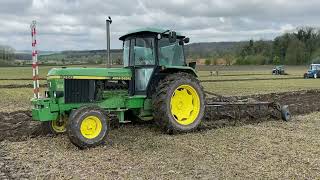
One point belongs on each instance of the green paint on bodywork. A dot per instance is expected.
(44, 109)
(148, 29)
(56, 85)
(111, 100)
(48, 109)
(101, 72)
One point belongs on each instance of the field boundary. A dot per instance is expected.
(13, 86)
(19, 79)
(251, 79)
(18, 125)
(10, 86)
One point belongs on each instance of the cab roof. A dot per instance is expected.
(147, 30)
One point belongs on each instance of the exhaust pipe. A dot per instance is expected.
(108, 22)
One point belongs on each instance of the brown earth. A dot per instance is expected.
(11, 86)
(18, 127)
(299, 102)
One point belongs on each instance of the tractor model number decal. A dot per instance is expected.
(66, 77)
(89, 77)
(120, 78)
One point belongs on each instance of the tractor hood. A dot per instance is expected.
(90, 73)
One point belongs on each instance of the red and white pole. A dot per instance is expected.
(35, 68)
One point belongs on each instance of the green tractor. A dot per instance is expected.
(155, 84)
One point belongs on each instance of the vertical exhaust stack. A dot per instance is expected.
(108, 22)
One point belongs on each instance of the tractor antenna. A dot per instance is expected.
(108, 22)
(35, 68)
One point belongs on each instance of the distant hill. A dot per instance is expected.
(26, 54)
(205, 49)
(40, 52)
(80, 57)
(91, 52)
(193, 50)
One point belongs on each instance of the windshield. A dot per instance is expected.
(126, 47)
(314, 67)
(170, 53)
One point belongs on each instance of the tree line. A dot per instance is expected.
(7, 53)
(295, 48)
(87, 56)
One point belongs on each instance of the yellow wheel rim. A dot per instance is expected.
(59, 126)
(91, 127)
(185, 104)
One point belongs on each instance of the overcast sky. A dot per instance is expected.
(80, 24)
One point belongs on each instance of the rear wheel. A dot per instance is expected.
(179, 103)
(88, 127)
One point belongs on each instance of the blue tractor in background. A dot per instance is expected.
(313, 71)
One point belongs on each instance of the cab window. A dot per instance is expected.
(144, 51)
(126, 48)
(170, 54)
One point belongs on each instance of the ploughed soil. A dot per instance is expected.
(18, 125)
(18, 133)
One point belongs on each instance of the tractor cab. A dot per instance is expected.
(313, 71)
(148, 52)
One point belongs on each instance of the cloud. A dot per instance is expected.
(80, 24)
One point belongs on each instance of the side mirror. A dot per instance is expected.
(186, 40)
(172, 36)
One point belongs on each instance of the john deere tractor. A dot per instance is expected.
(155, 84)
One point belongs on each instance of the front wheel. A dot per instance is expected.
(315, 76)
(178, 104)
(55, 127)
(88, 127)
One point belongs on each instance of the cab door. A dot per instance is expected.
(144, 61)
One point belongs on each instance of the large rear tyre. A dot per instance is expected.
(178, 103)
(88, 127)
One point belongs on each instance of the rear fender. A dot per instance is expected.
(162, 71)
(175, 69)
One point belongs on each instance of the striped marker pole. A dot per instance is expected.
(35, 68)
